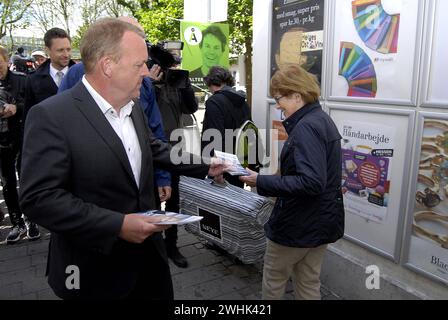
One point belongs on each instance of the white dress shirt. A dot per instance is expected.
(54, 71)
(123, 127)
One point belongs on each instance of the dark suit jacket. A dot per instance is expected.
(14, 85)
(40, 86)
(77, 182)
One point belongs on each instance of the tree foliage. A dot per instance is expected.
(240, 22)
(42, 15)
(161, 19)
(76, 40)
(65, 9)
(115, 9)
(11, 13)
(91, 10)
(158, 18)
(54, 13)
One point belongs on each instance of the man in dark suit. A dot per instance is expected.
(45, 81)
(88, 170)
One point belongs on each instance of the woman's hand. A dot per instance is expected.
(250, 180)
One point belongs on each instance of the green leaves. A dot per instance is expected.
(158, 18)
(161, 19)
(241, 22)
(11, 13)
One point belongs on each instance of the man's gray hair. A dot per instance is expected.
(104, 38)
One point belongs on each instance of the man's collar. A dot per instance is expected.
(53, 70)
(102, 103)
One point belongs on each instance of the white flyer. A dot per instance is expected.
(169, 218)
(238, 169)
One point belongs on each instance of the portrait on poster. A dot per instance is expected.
(374, 49)
(298, 35)
(205, 45)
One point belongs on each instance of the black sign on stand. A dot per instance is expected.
(210, 225)
(298, 34)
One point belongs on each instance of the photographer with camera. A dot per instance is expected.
(18, 55)
(175, 97)
(12, 88)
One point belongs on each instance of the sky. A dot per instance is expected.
(30, 32)
(34, 31)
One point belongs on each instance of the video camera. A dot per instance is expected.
(160, 54)
(24, 65)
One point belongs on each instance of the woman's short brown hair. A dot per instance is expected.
(294, 79)
(4, 53)
(104, 38)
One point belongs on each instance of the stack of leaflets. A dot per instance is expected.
(238, 169)
(168, 218)
(234, 218)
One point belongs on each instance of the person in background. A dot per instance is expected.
(39, 57)
(12, 89)
(309, 210)
(225, 109)
(44, 83)
(19, 54)
(174, 102)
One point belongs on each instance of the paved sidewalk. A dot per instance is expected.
(210, 275)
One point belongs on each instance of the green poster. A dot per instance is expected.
(205, 45)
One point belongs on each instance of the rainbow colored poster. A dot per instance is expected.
(375, 26)
(357, 68)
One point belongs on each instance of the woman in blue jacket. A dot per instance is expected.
(309, 211)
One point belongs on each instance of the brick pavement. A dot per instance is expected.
(210, 276)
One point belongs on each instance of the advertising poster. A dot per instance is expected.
(429, 239)
(435, 61)
(375, 149)
(298, 34)
(205, 45)
(374, 49)
(367, 153)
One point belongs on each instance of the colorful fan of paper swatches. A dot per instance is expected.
(357, 68)
(376, 27)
